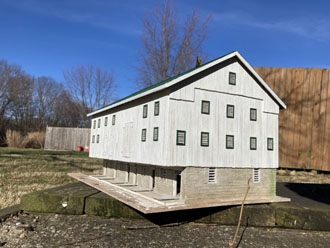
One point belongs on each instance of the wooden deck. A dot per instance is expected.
(153, 203)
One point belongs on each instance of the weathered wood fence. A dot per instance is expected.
(62, 138)
(305, 126)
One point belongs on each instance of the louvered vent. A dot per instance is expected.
(230, 111)
(256, 175)
(253, 114)
(205, 107)
(212, 175)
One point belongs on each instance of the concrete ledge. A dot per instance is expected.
(301, 213)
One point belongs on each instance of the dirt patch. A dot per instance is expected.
(82, 231)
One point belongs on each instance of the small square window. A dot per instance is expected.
(256, 175)
(204, 139)
(232, 78)
(230, 111)
(230, 141)
(212, 175)
(155, 138)
(253, 114)
(156, 110)
(99, 123)
(253, 143)
(270, 144)
(180, 138)
(93, 139)
(206, 107)
(113, 120)
(144, 135)
(94, 124)
(145, 111)
(98, 138)
(106, 121)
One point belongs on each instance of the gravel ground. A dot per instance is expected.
(52, 230)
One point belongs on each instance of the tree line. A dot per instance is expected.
(29, 103)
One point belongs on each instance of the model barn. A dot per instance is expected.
(191, 141)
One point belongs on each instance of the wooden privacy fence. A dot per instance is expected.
(63, 138)
(304, 127)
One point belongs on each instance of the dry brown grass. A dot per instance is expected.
(34, 140)
(26, 170)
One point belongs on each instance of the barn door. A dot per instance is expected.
(127, 141)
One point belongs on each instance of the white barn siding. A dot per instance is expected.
(122, 141)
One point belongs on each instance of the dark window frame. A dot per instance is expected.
(208, 109)
(155, 138)
(208, 139)
(106, 121)
(230, 136)
(156, 113)
(94, 124)
(98, 139)
(144, 131)
(272, 140)
(251, 148)
(93, 139)
(227, 112)
(231, 73)
(99, 123)
(113, 120)
(145, 111)
(253, 109)
(177, 137)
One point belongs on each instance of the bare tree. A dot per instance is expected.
(91, 87)
(46, 93)
(169, 48)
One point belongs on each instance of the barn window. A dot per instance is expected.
(106, 121)
(145, 111)
(181, 138)
(253, 114)
(94, 124)
(230, 141)
(98, 138)
(163, 173)
(212, 175)
(270, 144)
(113, 120)
(144, 135)
(256, 175)
(155, 134)
(206, 107)
(99, 123)
(230, 111)
(204, 139)
(232, 78)
(93, 139)
(253, 143)
(156, 110)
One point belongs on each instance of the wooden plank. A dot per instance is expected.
(283, 120)
(299, 142)
(306, 121)
(315, 163)
(320, 124)
(326, 108)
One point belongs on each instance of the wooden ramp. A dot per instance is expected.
(148, 205)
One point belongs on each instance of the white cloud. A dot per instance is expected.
(307, 27)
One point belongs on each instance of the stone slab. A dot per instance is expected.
(309, 209)
(9, 211)
(67, 199)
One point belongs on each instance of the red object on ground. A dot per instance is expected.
(80, 149)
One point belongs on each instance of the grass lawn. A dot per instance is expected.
(26, 170)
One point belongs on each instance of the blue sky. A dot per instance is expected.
(47, 37)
